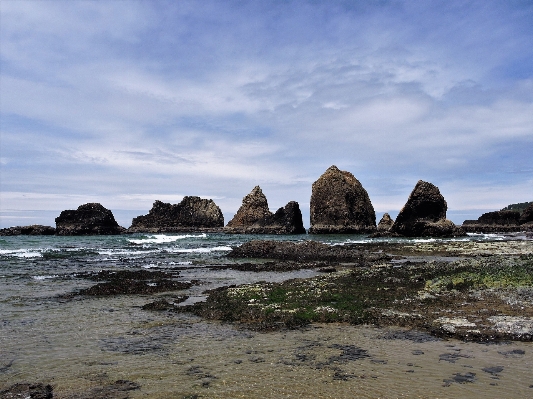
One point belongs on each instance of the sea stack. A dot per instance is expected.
(340, 204)
(254, 217)
(88, 219)
(424, 215)
(191, 214)
(385, 223)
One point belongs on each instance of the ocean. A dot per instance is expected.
(79, 343)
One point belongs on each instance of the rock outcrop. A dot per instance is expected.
(33, 230)
(191, 214)
(385, 223)
(88, 219)
(254, 217)
(526, 218)
(340, 204)
(424, 215)
(503, 221)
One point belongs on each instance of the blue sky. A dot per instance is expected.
(125, 102)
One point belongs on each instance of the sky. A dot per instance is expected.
(124, 102)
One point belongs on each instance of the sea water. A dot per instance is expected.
(78, 343)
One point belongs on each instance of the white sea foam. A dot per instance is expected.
(41, 278)
(199, 250)
(163, 238)
(21, 253)
(124, 252)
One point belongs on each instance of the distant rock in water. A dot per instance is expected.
(385, 223)
(505, 221)
(88, 219)
(254, 217)
(33, 230)
(424, 215)
(340, 204)
(191, 214)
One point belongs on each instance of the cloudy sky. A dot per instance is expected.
(125, 102)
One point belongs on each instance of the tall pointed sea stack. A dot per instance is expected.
(424, 214)
(340, 204)
(254, 217)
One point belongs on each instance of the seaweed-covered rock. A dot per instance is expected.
(385, 223)
(33, 230)
(88, 219)
(298, 251)
(424, 214)
(340, 204)
(191, 214)
(254, 217)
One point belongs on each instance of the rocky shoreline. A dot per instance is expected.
(476, 291)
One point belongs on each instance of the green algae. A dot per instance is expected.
(412, 294)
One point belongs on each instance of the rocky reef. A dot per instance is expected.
(191, 214)
(340, 204)
(504, 221)
(88, 219)
(254, 217)
(33, 230)
(424, 215)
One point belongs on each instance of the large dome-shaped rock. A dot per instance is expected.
(88, 219)
(254, 217)
(340, 204)
(424, 214)
(385, 223)
(191, 214)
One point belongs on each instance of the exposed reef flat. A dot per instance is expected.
(480, 291)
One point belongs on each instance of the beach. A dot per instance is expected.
(58, 330)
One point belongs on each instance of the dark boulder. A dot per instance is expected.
(424, 214)
(88, 219)
(385, 223)
(340, 204)
(33, 230)
(191, 214)
(254, 217)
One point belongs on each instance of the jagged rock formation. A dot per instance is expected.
(254, 217)
(385, 223)
(424, 214)
(88, 219)
(33, 230)
(501, 222)
(191, 214)
(340, 204)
